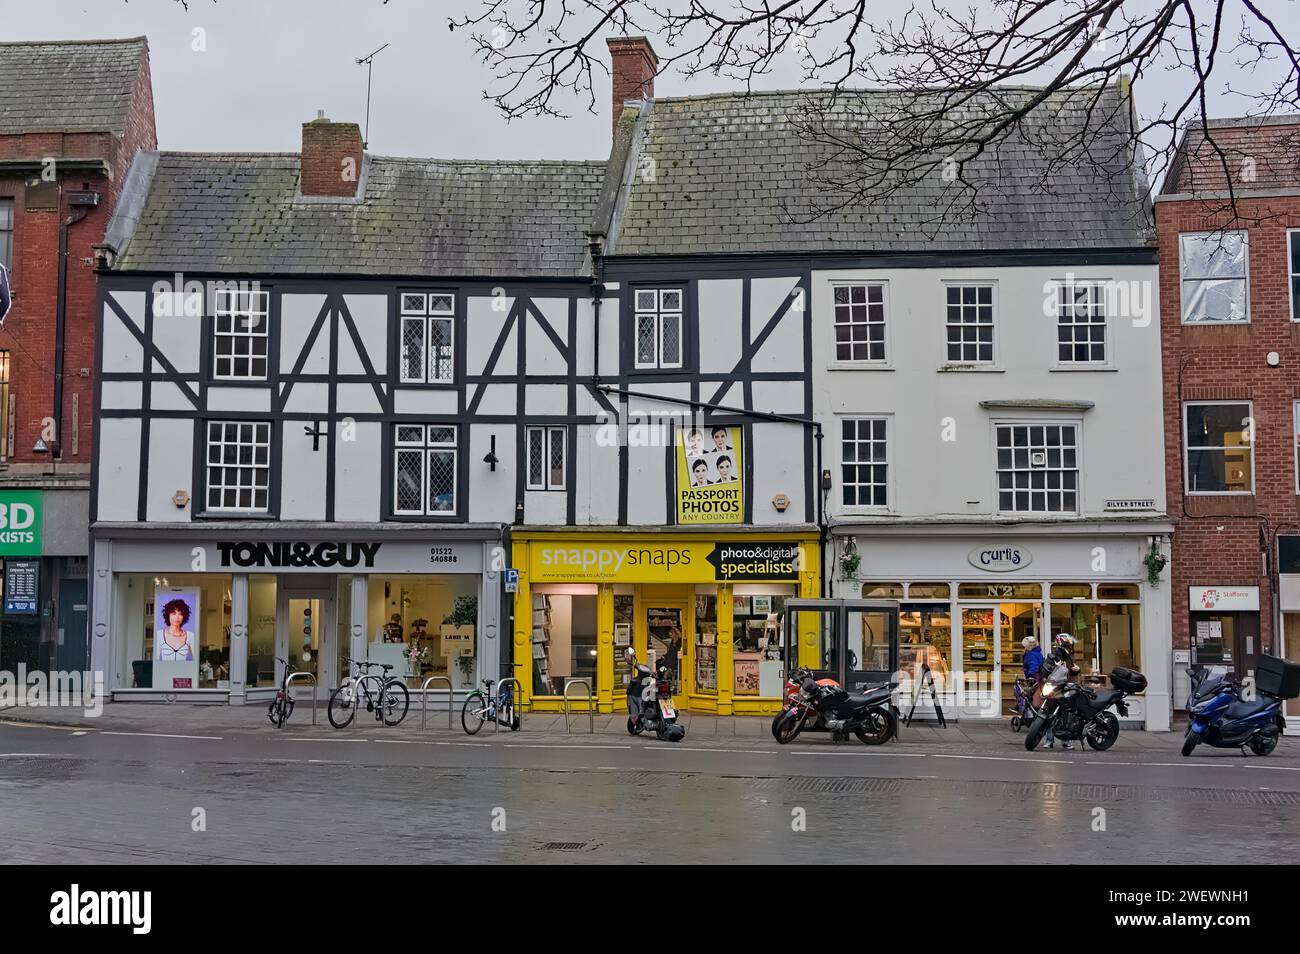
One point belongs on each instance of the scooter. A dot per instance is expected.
(1227, 719)
(650, 702)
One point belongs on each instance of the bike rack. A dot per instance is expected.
(356, 699)
(312, 676)
(515, 697)
(591, 705)
(424, 701)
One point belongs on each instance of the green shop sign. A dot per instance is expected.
(20, 522)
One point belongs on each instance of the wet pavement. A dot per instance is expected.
(122, 791)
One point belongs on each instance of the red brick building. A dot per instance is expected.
(1230, 306)
(72, 117)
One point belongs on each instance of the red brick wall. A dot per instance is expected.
(29, 331)
(1217, 539)
(326, 150)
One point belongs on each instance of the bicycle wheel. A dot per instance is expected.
(342, 709)
(474, 712)
(394, 702)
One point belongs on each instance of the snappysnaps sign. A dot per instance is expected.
(710, 485)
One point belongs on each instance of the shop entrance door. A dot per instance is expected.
(305, 635)
(981, 662)
(665, 627)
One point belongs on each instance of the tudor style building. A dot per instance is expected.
(1230, 294)
(72, 116)
(340, 392)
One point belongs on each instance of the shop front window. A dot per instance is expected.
(261, 631)
(999, 591)
(706, 642)
(624, 622)
(928, 591)
(882, 591)
(925, 640)
(424, 625)
(757, 618)
(1106, 635)
(564, 637)
(176, 631)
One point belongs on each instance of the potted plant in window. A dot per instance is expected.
(457, 633)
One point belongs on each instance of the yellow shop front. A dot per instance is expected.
(711, 607)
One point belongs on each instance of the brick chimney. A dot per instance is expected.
(634, 64)
(331, 158)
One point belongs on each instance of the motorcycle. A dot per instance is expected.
(1207, 683)
(869, 715)
(650, 702)
(1078, 712)
(797, 712)
(1223, 718)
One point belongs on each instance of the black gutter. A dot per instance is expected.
(60, 329)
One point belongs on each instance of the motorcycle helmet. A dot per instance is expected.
(1065, 643)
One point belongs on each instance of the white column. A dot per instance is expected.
(1158, 653)
(102, 651)
(238, 638)
(360, 603)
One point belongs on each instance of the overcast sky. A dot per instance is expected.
(270, 65)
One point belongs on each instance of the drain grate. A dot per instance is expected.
(565, 846)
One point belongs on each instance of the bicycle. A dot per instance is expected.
(281, 706)
(389, 700)
(481, 707)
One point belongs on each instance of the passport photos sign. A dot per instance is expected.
(710, 483)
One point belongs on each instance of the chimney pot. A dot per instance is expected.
(633, 64)
(330, 164)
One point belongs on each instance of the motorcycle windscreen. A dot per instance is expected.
(810, 641)
(871, 647)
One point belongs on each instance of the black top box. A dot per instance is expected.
(1127, 680)
(1277, 677)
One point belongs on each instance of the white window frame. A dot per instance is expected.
(656, 312)
(994, 324)
(418, 307)
(428, 446)
(258, 430)
(1187, 448)
(549, 435)
(255, 315)
(866, 284)
(1078, 510)
(1292, 237)
(1182, 280)
(1098, 288)
(888, 421)
(1295, 440)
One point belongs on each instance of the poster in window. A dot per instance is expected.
(710, 485)
(176, 638)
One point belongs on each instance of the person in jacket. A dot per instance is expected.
(1062, 654)
(1033, 660)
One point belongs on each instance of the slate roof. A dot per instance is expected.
(68, 86)
(419, 217)
(1261, 153)
(736, 173)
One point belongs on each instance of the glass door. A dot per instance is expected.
(306, 637)
(981, 655)
(665, 639)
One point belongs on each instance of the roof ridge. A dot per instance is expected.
(812, 91)
(237, 154)
(106, 40)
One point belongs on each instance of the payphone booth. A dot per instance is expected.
(854, 642)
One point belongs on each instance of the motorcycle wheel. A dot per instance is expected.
(633, 726)
(661, 731)
(1190, 742)
(1016, 723)
(787, 726)
(1263, 744)
(1103, 733)
(880, 729)
(1036, 733)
